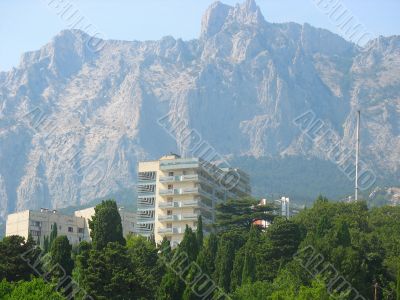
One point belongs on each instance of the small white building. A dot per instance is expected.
(76, 227)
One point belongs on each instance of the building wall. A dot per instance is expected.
(173, 176)
(39, 224)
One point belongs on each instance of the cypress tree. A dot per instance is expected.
(227, 246)
(237, 271)
(189, 244)
(53, 234)
(165, 249)
(61, 255)
(398, 283)
(46, 244)
(252, 246)
(343, 235)
(106, 225)
(199, 232)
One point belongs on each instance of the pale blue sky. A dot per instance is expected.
(29, 24)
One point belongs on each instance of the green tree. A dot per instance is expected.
(35, 289)
(237, 269)
(148, 268)
(343, 234)
(398, 284)
(81, 262)
(110, 274)
(253, 291)
(46, 244)
(251, 248)
(206, 263)
(15, 257)
(171, 287)
(106, 225)
(165, 249)
(208, 253)
(241, 213)
(228, 244)
(53, 234)
(189, 244)
(199, 232)
(61, 255)
(279, 244)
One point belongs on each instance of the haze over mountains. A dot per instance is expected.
(74, 122)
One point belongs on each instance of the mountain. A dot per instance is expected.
(75, 119)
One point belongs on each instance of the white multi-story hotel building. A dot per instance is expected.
(174, 191)
(76, 227)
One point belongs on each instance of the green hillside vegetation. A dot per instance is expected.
(332, 250)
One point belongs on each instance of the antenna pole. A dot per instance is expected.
(357, 154)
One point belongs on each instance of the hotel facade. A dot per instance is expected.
(174, 191)
(39, 224)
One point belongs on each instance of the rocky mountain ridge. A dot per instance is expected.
(74, 122)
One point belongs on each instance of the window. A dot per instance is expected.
(80, 230)
(35, 223)
(133, 225)
(169, 225)
(35, 233)
(183, 172)
(80, 239)
(70, 229)
(59, 227)
(169, 212)
(170, 173)
(170, 186)
(170, 199)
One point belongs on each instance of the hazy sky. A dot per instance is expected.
(27, 25)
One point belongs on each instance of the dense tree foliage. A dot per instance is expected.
(15, 256)
(106, 225)
(35, 289)
(330, 251)
(60, 254)
(241, 213)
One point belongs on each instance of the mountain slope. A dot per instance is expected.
(74, 123)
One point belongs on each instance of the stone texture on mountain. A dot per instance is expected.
(74, 123)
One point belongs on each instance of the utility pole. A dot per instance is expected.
(357, 154)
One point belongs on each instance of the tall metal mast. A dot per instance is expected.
(357, 154)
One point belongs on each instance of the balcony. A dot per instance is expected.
(183, 191)
(166, 205)
(165, 230)
(191, 177)
(179, 217)
(145, 222)
(174, 230)
(166, 218)
(184, 204)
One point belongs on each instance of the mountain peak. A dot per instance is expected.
(214, 19)
(219, 14)
(250, 6)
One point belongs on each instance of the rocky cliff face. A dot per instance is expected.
(74, 122)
